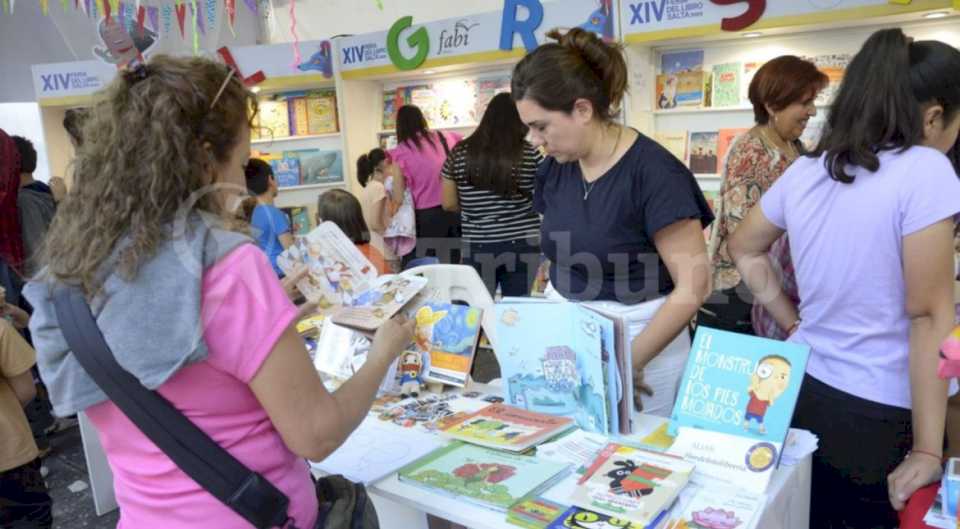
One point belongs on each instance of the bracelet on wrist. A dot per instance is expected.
(938, 457)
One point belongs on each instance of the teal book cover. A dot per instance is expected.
(492, 478)
(551, 361)
(740, 385)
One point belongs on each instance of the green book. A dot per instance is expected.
(489, 478)
(726, 84)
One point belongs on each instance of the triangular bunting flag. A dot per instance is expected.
(181, 10)
(106, 9)
(154, 14)
(252, 6)
(141, 16)
(211, 14)
(45, 7)
(231, 8)
(198, 24)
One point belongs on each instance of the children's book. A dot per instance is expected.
(448, 334)
(726, 84)
(674, 62)
(491, 478)
(631, 484)
(680, 89)
(735, 404)
(713, 508)
(274, 119)
(507, 428)
(297, 107)
(321, 113)
(379, 301)
(703, 152)
(319, 166)
(300, 220)
(577, 518)
(725, 139)
(286, 171)
(338, 349)
(749, 71)
(551, 361)
(534, 513)
(390, 107)
(675, 142)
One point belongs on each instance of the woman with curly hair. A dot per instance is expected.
(188, 305)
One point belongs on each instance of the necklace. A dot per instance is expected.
(587, 188)
(788, 150)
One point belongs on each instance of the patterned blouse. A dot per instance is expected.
(751, 167)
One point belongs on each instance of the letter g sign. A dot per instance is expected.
(419, 40)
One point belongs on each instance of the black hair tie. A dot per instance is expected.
(135, 74)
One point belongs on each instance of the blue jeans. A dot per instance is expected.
(511, 265)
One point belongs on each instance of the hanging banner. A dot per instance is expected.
(490, 36)
(70, 79)
(653, 20)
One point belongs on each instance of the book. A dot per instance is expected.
(390, 106)
(299, 219)
(749, 71)
(274, 119)
(379, 301)
(286, 171)
(448, 334)
(726, 84)
(340, 350)
(321, 113)
(507, 427)
(716, 507)
(319, 166)
(631, 484)
(534, 512)
(297, 107)
(675, 142)
(735, 404)
(725, 139)
(430, 412)
(551, 361)
(577, 518)
(680, 89)
(703, 152)
(489, 478)
(674, 62)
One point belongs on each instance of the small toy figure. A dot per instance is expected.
(768, 382)
(411, 365)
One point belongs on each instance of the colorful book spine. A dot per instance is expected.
(298, 116)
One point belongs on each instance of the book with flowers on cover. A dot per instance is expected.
(490, 478)
(507, 427)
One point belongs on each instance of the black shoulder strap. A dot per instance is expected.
(443, 141)
(249, 494)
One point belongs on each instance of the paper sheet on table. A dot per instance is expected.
(577, 448)
(377, 449)
(799, 444)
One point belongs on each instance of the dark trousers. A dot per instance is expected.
(24, 501)
(438, 235)
(861, 442)
(728, 310)
(509, 264)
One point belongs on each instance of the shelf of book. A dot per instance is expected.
(453, 127)
(310, 186)
(701, 110)
(281, 139)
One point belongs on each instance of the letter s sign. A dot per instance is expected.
(419, 40)
(755, 9)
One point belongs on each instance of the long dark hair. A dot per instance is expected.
(495, 150)
(880, 102)
(343, 209)
(578, 66)
(411, 125)
(367, 164)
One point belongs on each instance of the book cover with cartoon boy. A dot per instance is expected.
(448, 334)
(631, 484)
(551, 361)
(507, 427)
(490, 478)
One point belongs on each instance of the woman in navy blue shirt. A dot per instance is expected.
(622, 218)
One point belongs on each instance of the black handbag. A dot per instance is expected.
(250, 495)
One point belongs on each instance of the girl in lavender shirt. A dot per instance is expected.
(870, 216)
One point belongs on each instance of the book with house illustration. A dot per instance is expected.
(551, 361)
(490, 478)
(507, 427)
(735, 404)
(631, 484)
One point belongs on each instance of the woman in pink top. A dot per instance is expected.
(870, 216)
(420, 155)
(187, 303)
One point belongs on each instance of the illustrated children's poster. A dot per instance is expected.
(632, 484)
(490, 478)
(448, 334)
(551, 361)
(507, 428)
(735, 404)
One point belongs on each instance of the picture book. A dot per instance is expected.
(726, 84)
(390, 106)
(300, 220)
(448, 334)
(321, 113)
(340, 351)
(707, 89)
(430, 412)
(617, 368)
(297, 107)
(703, 152)
(675, 142)
(749, 71)
(577, 518)
(286, 171)
(338, 272)
(551, 361)
(274, 119)
(714, 507)
(681, 89)
(490, 478)
(735, 404)
(375, 450)
(674, 62)
(319, 166)
(631, 484)
(379, 301)
(534, 512)
(507, 428)
(725, 139)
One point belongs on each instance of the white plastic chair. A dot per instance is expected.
(461, 283)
